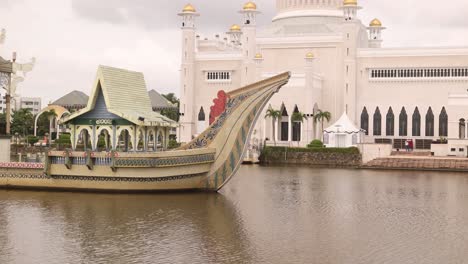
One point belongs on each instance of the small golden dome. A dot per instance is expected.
(258, 56)
(375, 23)
(310, 55)
(350, 2)
(235, 28)
(250, 6)
(189, 8)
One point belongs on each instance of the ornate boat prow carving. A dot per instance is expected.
(231, 130)
(206, 163)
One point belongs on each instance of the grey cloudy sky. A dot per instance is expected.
(70, 38)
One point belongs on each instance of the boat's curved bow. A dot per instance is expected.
(233, 119)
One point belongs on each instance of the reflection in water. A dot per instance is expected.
(264, 215)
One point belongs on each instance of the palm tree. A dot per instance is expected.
(298, 117)
(274, 114)
(321, 116)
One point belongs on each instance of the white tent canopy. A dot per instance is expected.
(342, 134)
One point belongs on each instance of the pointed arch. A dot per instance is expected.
(390, 122)
(296, 127)
(284, 124)
(403, 123)
(462, 128)
(201, 114)
(416, 128)
(443, 123)
(365, 120)
(429, 123)
(377, 122)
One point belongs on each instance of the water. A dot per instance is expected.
(264, 215)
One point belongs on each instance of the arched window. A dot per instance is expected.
(377, 122)
(365, 120)
(429, 123)
(201, 114)
(284, 124)
(403, 123)
(462, 129)
(390, 123)
(443, 123)
(416, 123)
(296, 126)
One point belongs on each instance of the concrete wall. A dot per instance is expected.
(373, 151)
(333, 160)
(5, 149)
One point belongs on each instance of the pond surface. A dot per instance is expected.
(264, 215)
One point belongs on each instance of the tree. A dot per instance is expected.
(43, 123)
(171, 113)
(22, 122)
(274, 115)
(2, 124)
(321, 116)
(298, 117)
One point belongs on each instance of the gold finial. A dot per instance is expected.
(188, 8)
(250, 6)
(235, 28)
(350, 2)
(310, 55)
(375, 23)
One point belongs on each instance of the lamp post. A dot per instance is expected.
(16, 138)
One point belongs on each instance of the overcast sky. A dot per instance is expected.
(70, 38)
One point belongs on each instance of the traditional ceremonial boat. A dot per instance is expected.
(206, 163)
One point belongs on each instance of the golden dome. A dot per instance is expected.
(310, 55)
(258, 56)
(189, 8)
(250, 6)
(235, 28)
(375, 23)
(349, 2)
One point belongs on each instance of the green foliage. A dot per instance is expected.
(171, 113)
(315, 144)
(32, 140)
(173, 144)
(321, 116)
(44, 121)
(22, 122)
(63, 139)
(352, 150)
(2, 124)
(298, 117)
(274, 114)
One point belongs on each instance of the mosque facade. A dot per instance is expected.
(338, 65)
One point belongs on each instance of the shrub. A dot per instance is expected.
(32, 140)
(352, 150)
(173, 144)
(315, 144)
(63, 139)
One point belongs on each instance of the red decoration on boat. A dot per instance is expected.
(219, 106)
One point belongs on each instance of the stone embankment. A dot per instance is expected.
(418, 163)
(333, 158)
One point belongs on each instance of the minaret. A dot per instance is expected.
(187, 112)
(249, 42)
(235, 34)
(258, 69)
(313, 93)
(375, 33)
(350, 8)
(351, 36)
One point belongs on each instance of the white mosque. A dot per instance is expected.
(337, 65)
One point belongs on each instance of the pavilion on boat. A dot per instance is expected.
(119, 116)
